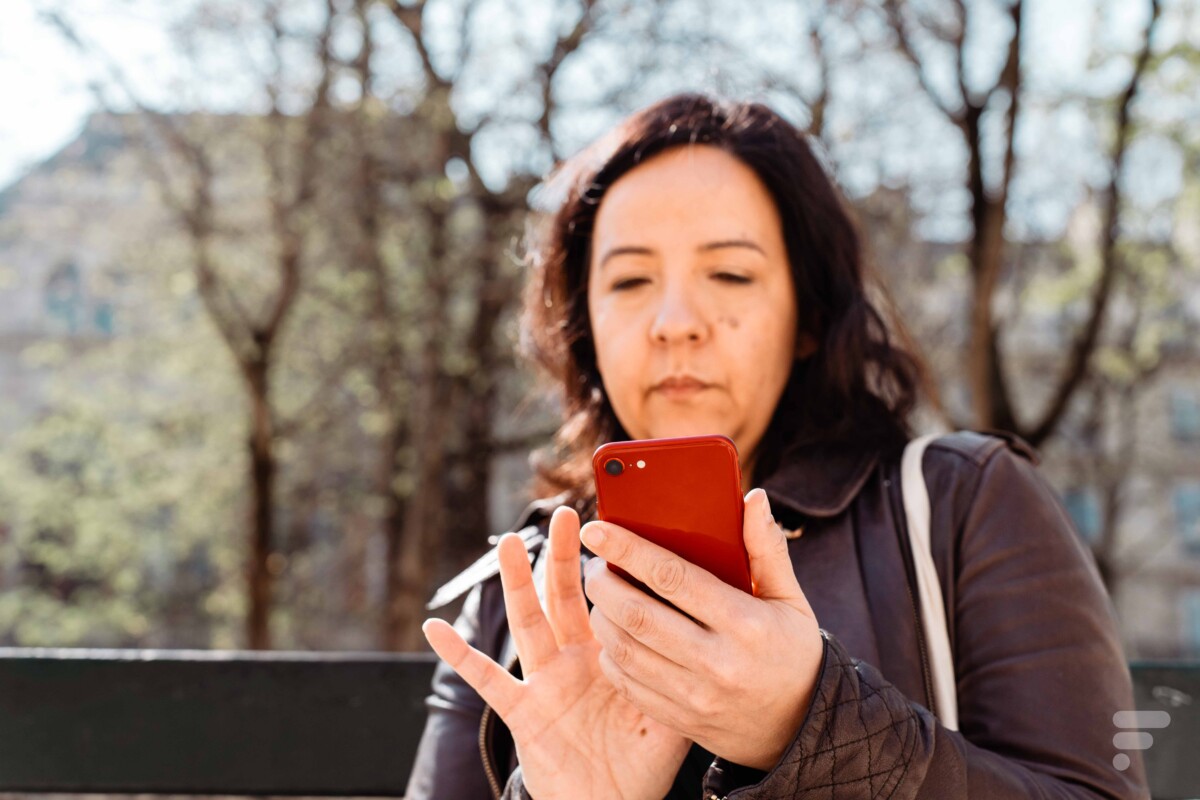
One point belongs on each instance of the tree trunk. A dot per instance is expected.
(425, 518)
(393, 531)
(262, 478)
(431, 417)
(480, 386)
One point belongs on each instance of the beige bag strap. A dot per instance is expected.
(929, 589)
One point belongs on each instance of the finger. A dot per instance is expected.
(526, 622)
(565, 603)
(691, 589)
(495, 685)
(647, 700)
(770, 562)
(649, 621)
(642, 663)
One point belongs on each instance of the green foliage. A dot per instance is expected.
(123, 498)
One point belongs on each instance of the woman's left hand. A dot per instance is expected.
(738, 678)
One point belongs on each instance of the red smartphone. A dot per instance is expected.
(684, 494)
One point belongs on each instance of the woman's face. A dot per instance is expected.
(691, 299)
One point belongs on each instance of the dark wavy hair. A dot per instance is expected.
(857, 390)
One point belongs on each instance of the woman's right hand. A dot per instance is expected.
(575, 736)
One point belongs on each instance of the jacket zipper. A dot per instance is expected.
(485, 728)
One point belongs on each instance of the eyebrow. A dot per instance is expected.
(704, 248)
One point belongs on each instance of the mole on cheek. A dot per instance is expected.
(732, 322)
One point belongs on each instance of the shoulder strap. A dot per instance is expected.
(929, 588)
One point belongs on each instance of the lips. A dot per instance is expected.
(678, 385)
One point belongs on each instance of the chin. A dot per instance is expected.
(672, 428)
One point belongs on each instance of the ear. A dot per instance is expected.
(806, 345)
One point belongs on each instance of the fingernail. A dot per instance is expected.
(591, 566)
(766, 509)
(592, 535)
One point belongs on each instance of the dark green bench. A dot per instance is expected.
(210, 722)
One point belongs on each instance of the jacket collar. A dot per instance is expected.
(820, 481)
(816, 481)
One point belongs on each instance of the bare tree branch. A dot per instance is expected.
(196, 212)
(958, 38)
(411, 17)
(284, 208)
(1010, 82)
(895, 15)
(564, 46)
(438, 89)
(1111, 260)
(819, 105)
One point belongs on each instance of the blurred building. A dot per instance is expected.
(60, 281)
(1126, 457)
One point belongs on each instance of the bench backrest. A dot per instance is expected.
(211, 722)
(200, 722)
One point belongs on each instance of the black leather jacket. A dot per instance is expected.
(1039, 666)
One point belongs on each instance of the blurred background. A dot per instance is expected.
(260, 263)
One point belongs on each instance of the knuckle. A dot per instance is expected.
(752, 629)
(619, 547)
(636, 619)
(622, 653)
(779, 547)
(725, 674)
(703, 703)
(615, 676)
(483, 679)
(669, 576)
(528, 619)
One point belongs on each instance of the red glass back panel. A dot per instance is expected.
(683, 494)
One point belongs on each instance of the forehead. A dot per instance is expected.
(688, 191)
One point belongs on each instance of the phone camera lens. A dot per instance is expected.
(614, 466)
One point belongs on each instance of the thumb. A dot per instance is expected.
(770, 564)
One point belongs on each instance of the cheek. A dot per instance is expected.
(619, 354)
(606, 339)
(761, 347)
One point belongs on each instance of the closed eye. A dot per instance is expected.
(733, 277)
(628, 283)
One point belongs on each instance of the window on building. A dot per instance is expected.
(1083, 504)
(1187, 515)
(64, 298)
(1189, 613)
(109, 290)
(102, 317)
(1185, 415)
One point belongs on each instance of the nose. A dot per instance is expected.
(678, 319)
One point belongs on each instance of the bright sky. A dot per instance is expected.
(44, 82)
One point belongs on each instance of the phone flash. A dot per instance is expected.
(641, 465)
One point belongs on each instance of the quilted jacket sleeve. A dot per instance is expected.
(1039, 667)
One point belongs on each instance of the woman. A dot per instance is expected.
(702, 276)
